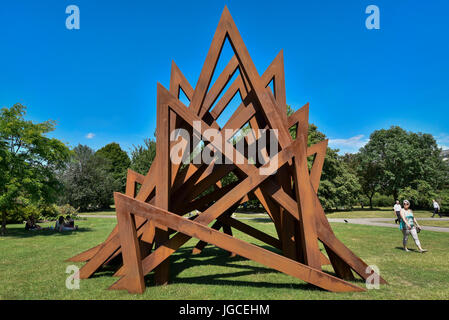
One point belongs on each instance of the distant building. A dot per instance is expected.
(445, 154)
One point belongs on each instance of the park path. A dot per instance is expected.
(97, 216)
(379, 222)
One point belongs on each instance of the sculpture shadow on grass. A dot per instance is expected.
(213, 256)
(216, 257)
(22, 233)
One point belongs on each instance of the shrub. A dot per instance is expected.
(48, 211)
(68, 210)
(420, 196)
(443, 199)
(381, 200)
(410, 194)
(22, 213)
(252, 206)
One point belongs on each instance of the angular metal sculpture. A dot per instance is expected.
(151, 223)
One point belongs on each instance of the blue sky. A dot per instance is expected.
(99, 82)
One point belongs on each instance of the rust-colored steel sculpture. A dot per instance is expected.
(151, 223)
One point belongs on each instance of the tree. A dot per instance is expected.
(368, 172)
(87, 182)
(395, 159)
(339, 187)
(142, 156)
(443, 199)
(29, 161)
(117, 164)
(420, 194)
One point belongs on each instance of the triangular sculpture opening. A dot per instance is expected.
(153, 222)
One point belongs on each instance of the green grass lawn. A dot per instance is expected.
(434, 223)
(32, 267)
(430, 223)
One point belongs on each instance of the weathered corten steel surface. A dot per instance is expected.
(153, 223)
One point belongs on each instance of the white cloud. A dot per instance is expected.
(349, 145)
(90, 135)
(442, 141)
(353, 144)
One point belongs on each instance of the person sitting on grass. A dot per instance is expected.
(409, 225)
(70, 222)
(60, 225)
(31, 225)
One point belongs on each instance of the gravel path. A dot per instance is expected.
(97, 216)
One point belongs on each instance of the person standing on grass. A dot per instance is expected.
(409, 225)
(436, 208)
(397, 209)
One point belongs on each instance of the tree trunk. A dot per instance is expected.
(371, 202)
(3, 230)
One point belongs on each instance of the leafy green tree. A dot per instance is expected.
(420, 193)
(443, 199)
(29, 161)
(395, 159)
(368, 173)
(142, 156)
(87, 182)
(117, 165)
(339, 187)
(410, 194)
